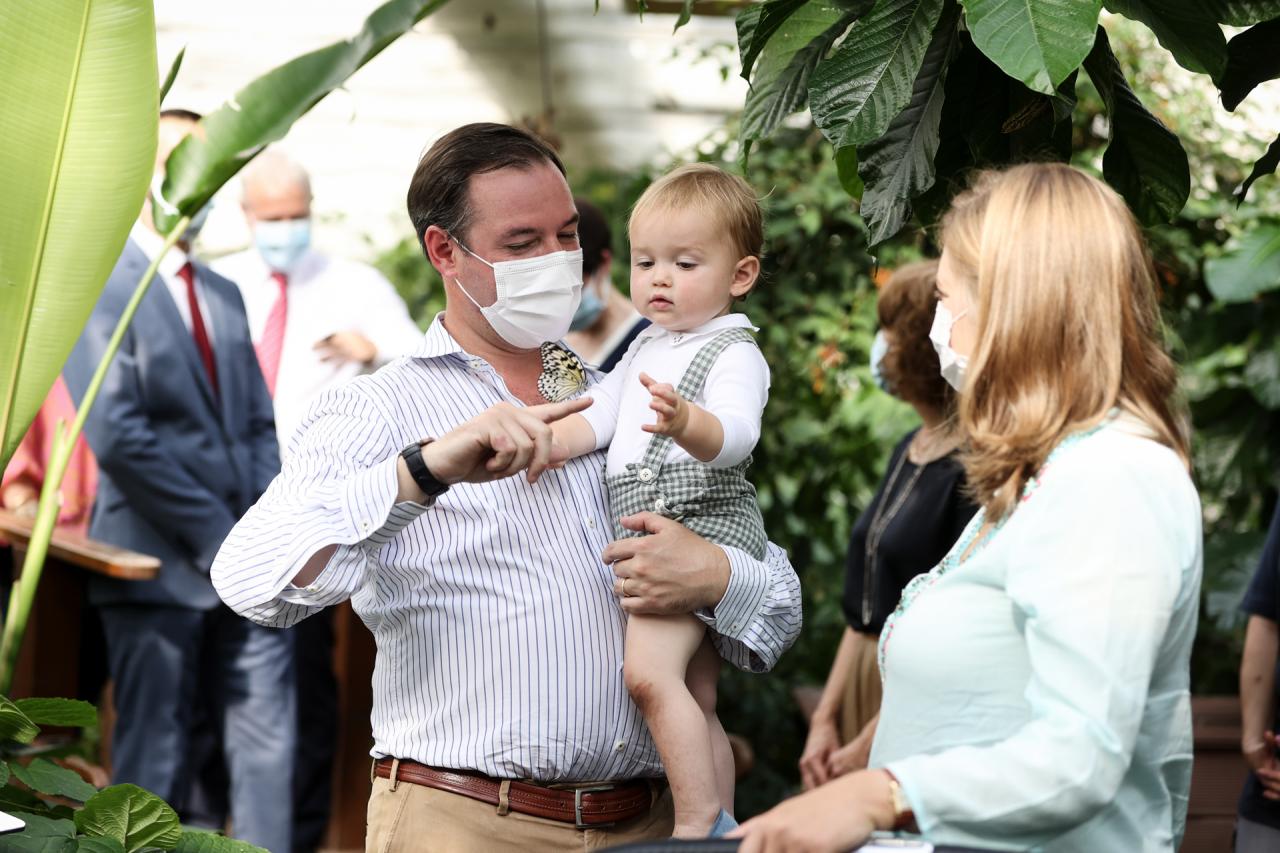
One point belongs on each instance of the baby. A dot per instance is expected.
(696, 237)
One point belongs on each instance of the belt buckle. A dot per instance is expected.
(577, 806)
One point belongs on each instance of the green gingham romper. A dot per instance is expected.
(719, 504)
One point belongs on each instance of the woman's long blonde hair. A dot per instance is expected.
(1063, 289)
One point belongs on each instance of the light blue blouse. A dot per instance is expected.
(1037, 695)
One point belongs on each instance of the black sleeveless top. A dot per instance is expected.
(924, 513)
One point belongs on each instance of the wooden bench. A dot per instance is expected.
(50, 661)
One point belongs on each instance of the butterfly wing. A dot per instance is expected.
(563, 374)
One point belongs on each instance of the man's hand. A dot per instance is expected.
(346, 346)
(671, 570)
(1262, 758)
(500, 441)
(672, 409)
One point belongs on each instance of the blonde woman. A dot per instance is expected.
(1036, 680)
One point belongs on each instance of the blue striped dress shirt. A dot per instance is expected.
(499, 638)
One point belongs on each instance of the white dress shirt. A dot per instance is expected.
(175, 259)
(325, 295)
(736, 391)
(499, 638)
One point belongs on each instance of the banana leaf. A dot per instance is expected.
(263, 111)
(79, 94)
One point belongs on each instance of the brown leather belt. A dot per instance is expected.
(586, 807)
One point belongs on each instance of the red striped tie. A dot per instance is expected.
(271, 344)
(198, 330)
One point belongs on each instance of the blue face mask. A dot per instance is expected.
(879, 349)
(283, 242)
(589, 309)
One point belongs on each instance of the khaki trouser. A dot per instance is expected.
(417, 818)
(863, 690)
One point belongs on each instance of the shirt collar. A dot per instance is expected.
(151, 245)
(437, 342)
(731, 320)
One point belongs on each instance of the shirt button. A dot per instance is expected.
(645, 475)
(591, 522)
(620, 745)
(659, 505)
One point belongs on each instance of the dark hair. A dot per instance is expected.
(593, 235)
(439, 193)
(906, 306)
(180, 113)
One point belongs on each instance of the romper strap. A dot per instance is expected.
(695, 376)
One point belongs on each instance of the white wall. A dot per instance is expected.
(623, 91)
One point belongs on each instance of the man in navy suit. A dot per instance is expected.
(184, 433)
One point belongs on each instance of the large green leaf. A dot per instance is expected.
(41, 835)
(58, 712)
(1253, 57)
(79, 95)
(98, 845)
(15, 725)
(134, 817)
(1250, 266)
(862, 86)
(1186, 29)
(1242, 13)
(781, 81)
(1266, 165)
(263, 111)
(15, 799)
(1038, 42)
(756, 26)
(1145, 161)
(206, 842)
(899, 165)
(45, 777)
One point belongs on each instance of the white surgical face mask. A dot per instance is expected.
(953, 364)
(536, 297)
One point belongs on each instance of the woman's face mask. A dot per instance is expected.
(879, 349)
(953, 365)
(591, 305)
(536, 297)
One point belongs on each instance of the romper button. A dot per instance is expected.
(645, 475)
(659, 505)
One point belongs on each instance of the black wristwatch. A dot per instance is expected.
(418, 470)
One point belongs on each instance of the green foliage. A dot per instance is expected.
(1039, 42)
(14, 724)
(58, 712)
(856, 92)
(132, 816)
(263, 111)
(78, 85)
(45, 777)
(1013, 67)
(1144, 159)
(118, 819)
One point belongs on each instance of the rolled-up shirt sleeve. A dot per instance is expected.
(338, 488)
(759, 616)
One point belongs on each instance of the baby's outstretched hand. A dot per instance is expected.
(672, 409)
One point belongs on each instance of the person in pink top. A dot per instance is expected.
(24, 476)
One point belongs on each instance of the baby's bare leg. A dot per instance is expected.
(658, 652)
(704, 672)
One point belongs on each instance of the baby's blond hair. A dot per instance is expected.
(719, 194)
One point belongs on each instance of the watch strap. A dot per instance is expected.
(419, 471)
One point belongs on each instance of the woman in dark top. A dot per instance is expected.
(915, 517)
